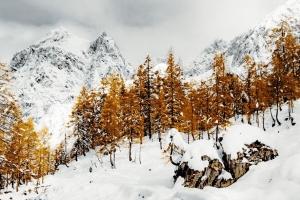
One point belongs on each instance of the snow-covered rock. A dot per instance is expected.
(235, 139)
(52, 71)
(204, 165)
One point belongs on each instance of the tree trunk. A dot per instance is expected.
(272, 117)
(208, 135)
(159, 139)
(130, 145)
(263, 118)
(18, 182)
(277, 110)
(171, 158)
(111, 159)
(217, 131)
(140, 156)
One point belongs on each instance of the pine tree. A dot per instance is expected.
(80, 124)
(205, 105)
(190, 117)
(173, 92)
(131, 118)
(261, 85)
(159, 112)
(222, 107)
(249, 88)
(144, 81)
(96, 102)
(42, 155)
(111, 117)
(284, 62)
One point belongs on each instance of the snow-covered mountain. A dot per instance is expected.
(49, 74)
(254, 42)
(203, 62)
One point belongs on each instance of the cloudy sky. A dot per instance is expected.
(139, 27)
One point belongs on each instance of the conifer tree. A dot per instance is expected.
(205, 106)
(249, 88)
(190, 117)
(261, 85)
(159, 112)
(42, 155)
(96, 102)
(173, 92)
(144, 81)
(222, 98)
(132, 120)
(80, 122)
(111, 117)
(283, 79)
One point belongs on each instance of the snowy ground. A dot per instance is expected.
(278, 179)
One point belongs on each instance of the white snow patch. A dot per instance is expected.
(235, 138)
(173, 136)
(225, 175)
(196, 150)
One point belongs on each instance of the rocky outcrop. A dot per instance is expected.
(210, 176)
(220, 175)
(255, 153)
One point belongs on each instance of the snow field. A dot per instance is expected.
(278, 179)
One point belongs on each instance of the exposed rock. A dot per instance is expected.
(255, 153)
(210, 176)
(218, 174)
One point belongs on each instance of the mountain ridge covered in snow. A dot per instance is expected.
(48, 75)
(254, 42)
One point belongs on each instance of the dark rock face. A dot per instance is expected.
(257, 152)
(212, 175)
(199, 179)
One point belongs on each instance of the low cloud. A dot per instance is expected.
(138, 27)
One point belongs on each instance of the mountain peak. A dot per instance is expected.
(61, 38)
(57, 35)
(59, 30)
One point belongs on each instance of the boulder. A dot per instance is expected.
(212, 175)
(202, 164)
(255, 153)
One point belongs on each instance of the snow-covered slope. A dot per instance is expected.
(49, 74)
(278, 179)
(204, 61)
(255, 42)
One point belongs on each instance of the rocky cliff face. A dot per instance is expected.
(49, 74)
